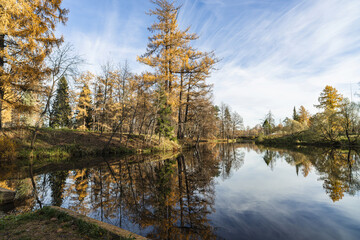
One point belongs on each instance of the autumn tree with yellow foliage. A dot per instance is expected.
(304, 115)
(26, 38)
(330, 99)
(84, 109)
(180, 70)
(327, 123)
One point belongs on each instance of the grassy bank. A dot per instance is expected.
(21, 169)
(306, 138)
(61, 144)
(49, 223)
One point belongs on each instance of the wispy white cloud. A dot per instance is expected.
(115, 31)
(279, 56)
(275, 54)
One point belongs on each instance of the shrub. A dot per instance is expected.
(260, 138)
(7, 149)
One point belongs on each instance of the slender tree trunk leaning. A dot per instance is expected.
(34, 185)
(152, 130)
(113, 134)
(147, 130)
(348, 136)
(37, 125)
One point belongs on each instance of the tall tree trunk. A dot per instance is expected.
(142, 120)
(152, 129)
(131, 130)
(147, 130)
(186, 108)
(38, 123)
(180, 124)
(104, 110)
(2, 92)
(1, 105)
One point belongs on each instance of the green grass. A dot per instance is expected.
(305, 138)
(62, 146)
(80, 143)
(219, 140)
(45, 214)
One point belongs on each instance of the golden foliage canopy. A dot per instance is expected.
(26, 38)
(329, 99)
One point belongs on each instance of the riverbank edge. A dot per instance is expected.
(114, 230)
(86, 227)
(290, 141)
(24, 168)
(77, 144)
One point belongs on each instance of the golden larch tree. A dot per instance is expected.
(26, 38)
(84, 102)
(329, 99)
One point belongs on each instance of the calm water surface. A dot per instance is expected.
(214, 192)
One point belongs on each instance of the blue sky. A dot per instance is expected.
(275, 54)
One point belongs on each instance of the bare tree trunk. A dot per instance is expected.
(2, 92)
(131, 130)
(147, 130)
(103, 117)
(113, 134)
(186, 108)
(34, 184)
(141, 125)
(144, 118)
(348, 136)
(121, 133)
(180, 124)
(1, 106)
(152, 130)
(37, 125)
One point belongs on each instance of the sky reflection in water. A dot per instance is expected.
(217, 192)
(260, 202)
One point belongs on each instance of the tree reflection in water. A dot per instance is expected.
(174, 198)
(338, 169)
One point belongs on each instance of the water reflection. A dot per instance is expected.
(179, 197)
(337, 169)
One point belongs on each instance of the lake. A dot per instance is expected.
(223, 191)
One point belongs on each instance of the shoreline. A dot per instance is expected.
(64, 144)
(57, 223)
(301, 140)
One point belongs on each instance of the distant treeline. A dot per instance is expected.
(338, 119)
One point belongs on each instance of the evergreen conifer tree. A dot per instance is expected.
(61, 110)
(163, 125)
(295, 115)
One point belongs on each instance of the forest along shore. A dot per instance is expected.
(307, 138)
